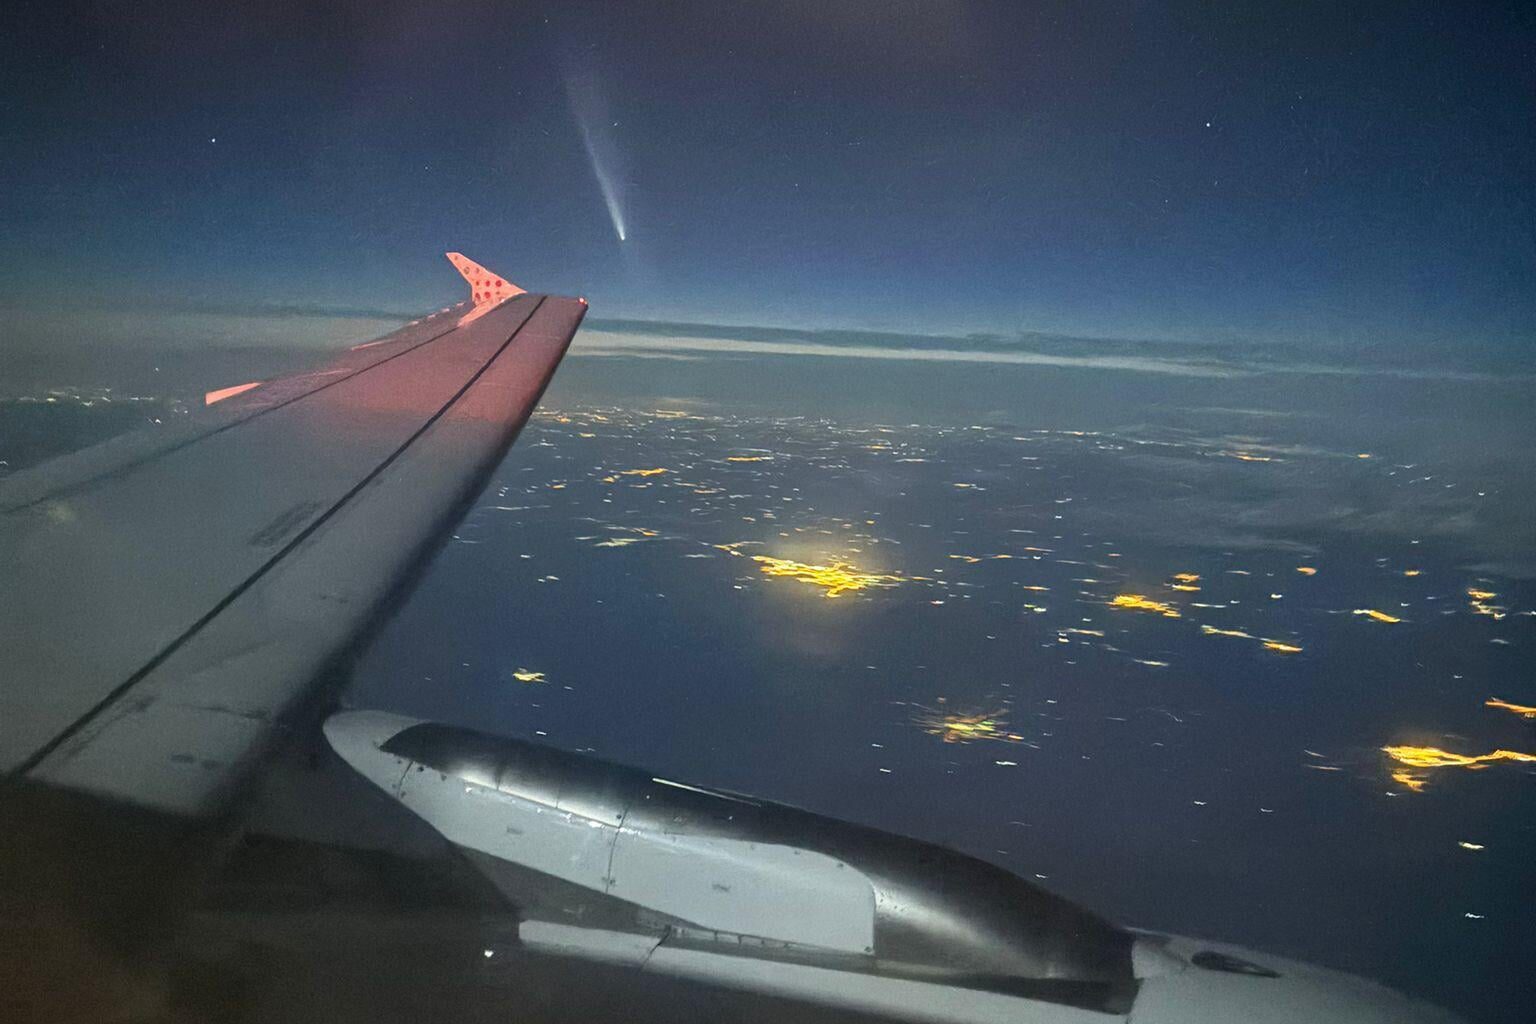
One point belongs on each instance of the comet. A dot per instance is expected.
(590, 111)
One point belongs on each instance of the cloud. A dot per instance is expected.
(638, 338)
(597, 342)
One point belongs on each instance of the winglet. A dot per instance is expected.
(485, 288)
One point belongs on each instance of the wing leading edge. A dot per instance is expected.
(172, 597)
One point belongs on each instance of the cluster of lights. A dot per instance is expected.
(1142, 603)
(954, 727)
(836, 579)
(1435, 758)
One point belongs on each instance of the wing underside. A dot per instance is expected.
(172, 596)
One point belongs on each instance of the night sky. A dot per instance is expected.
(1186, 172)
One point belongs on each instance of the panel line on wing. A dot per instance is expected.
(64, 735)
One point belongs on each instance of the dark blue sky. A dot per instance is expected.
(1185, 171)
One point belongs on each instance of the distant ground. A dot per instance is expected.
(1144, 644)
(1154, 672)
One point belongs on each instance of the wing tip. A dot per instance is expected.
(486, 288)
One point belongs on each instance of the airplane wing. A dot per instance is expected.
(172, 596)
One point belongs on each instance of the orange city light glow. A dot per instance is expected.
(1434, 757)
(1524, 710)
